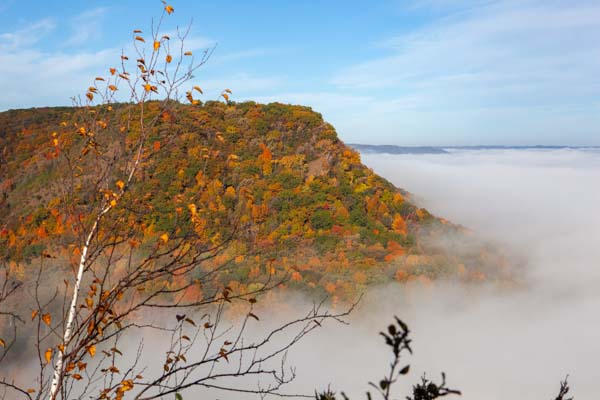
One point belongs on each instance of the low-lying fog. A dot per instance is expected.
(492, 343)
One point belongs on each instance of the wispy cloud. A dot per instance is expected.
(27, 36)
(533, 52)
(86, 26)
(32, 74)
(516, 64)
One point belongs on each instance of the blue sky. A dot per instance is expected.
(408, 72)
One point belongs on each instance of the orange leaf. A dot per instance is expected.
(164, 237)
(198, 89)
(120, 184)
(156, 146)
(92, 350)
(99, 78)
(48, 355)
(47, 318)
(169, 9)
(34, 314)
(147, 87)
(2, 343)
(76, 377)
(113, 71)
(187, 53)
(141, 39)
(112, 87)
(156, 45)
(168, 58)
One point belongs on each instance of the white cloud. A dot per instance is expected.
(86, 26)
(492, 71)
(524, 51)
(23, 38)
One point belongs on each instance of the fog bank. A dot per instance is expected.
(492, 343)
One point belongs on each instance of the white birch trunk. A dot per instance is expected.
(58, 368)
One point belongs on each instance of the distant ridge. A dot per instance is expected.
(393, 149)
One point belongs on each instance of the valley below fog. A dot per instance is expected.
(493, 342)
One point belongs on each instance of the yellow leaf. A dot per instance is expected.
(169, 9)
(92, 350)
(156, 45)
(120, 184)
(187, 53)
(113, 203)
(168, 58)
(141, 39)
(164, 237)
(48, 355)
(47, 318)
(225, 96)
(55, 142)
(198, 89)
(127, 385)
(89, 302)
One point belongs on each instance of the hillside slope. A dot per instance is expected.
(274, 177)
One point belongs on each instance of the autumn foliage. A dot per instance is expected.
(274, 176)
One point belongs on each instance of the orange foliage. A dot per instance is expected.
(399, 225)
